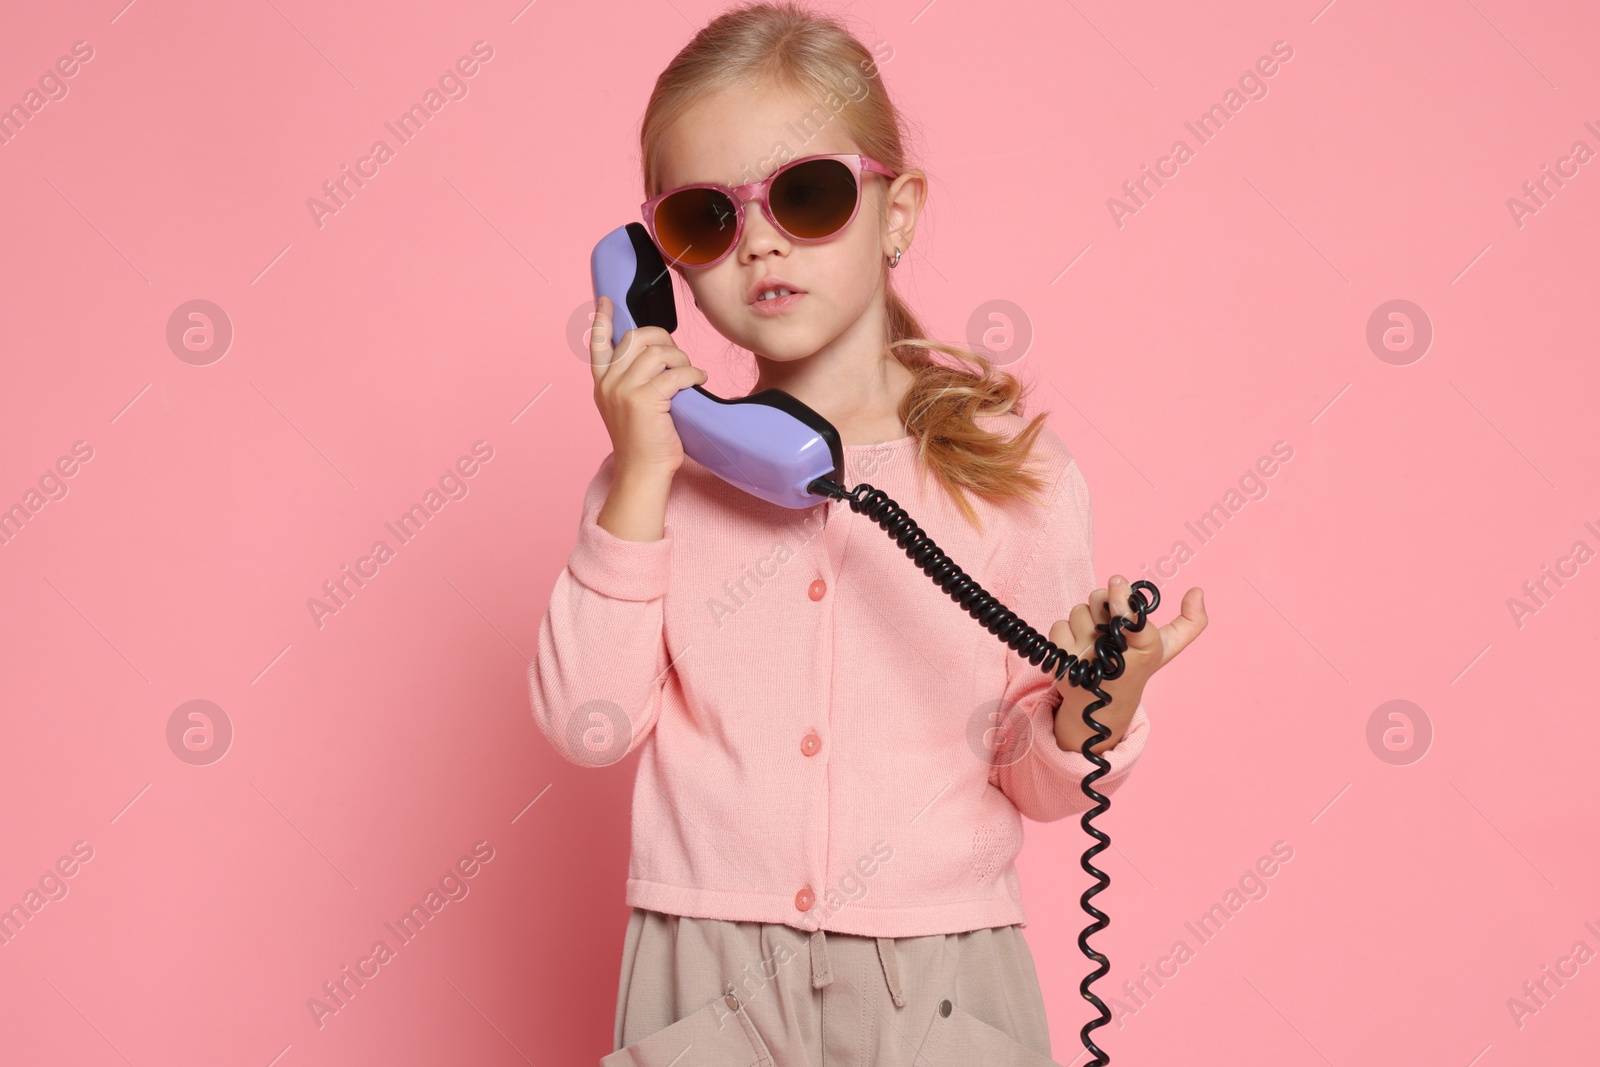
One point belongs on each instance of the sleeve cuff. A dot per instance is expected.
(622, 570)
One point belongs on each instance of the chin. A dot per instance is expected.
(784, 350)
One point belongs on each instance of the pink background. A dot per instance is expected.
(437, 309)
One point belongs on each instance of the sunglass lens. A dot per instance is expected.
(695, 226)
(814, 199)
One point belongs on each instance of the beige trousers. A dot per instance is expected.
(712, 993)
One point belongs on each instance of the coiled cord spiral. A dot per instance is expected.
(1033, 646)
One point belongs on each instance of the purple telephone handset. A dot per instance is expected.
(768, 444)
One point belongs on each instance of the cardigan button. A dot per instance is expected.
(810, 744)
(944, 1008)
(818, 587)
(804, 899)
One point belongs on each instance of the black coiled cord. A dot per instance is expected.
(1049, 657)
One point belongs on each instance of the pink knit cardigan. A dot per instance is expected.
(825, 738)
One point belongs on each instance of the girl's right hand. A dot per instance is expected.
(633, 387)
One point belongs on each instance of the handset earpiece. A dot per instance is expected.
(626, 267)
(768, 444)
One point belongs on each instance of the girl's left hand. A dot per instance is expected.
(1148, 651)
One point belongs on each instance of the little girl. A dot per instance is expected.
(834, 757)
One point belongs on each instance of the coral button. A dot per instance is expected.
(818, 587)
(810, 744)
(804, 899)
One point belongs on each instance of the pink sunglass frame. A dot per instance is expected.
(743, 194)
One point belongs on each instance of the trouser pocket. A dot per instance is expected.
(721, 1034)
(958, 1037)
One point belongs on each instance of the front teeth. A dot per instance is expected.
(772, 294)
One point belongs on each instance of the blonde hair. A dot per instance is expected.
(782, 44)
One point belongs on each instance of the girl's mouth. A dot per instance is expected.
(775, 305)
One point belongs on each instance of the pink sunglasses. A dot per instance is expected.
(808, 199)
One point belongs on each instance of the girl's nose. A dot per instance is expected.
(760, 235)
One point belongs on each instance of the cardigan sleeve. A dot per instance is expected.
(1041, 778)
(596, 681)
